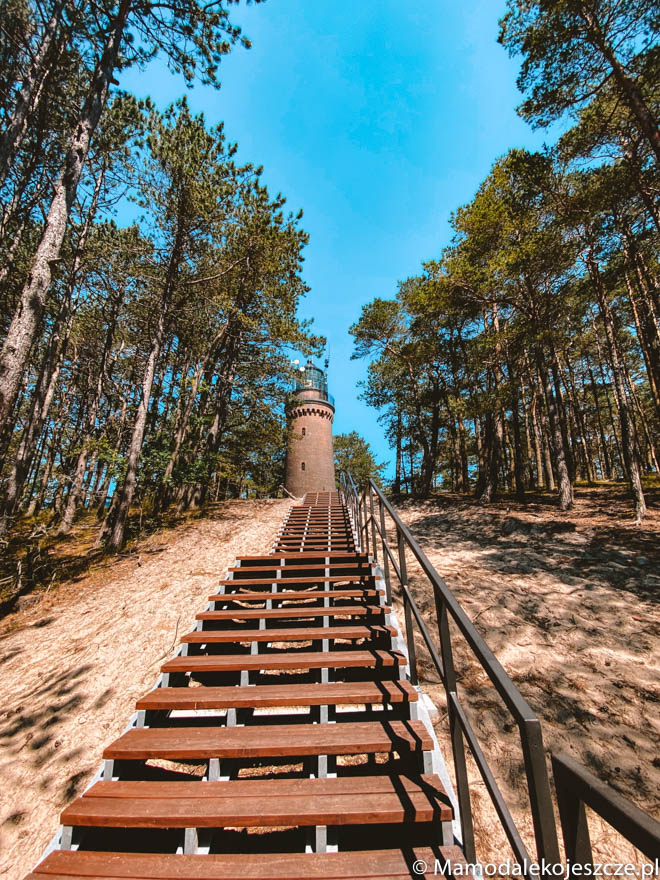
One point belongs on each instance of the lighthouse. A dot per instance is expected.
(310, 462)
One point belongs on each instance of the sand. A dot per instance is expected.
(73, 665)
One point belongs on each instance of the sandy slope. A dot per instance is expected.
(72, 667)
(569, 605)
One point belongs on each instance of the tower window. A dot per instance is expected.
(302, 465)
(304, 431)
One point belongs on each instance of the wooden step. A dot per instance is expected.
(292, 535)
(318, 513)
(297, 611)
(338, 556)
(392, 864)
(270, 741)
(359, 800)
(322, 535)
(319, 540)
(322, 528)
(306, 586)
(309, 546)
(357, 568)
(301, 634)
(298, 660)
(354, 693)
(315, 579)
(318, 527)
(249, 596)
(323, 509)
(320, 518)
(306, 546)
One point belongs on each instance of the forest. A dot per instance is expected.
(526, 356)
(145, 362)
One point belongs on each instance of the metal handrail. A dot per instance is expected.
(576, 787)
(361, 506)
(491, 665)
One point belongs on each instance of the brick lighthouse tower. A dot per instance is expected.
(310, 462)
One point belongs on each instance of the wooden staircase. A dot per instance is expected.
(282, 741)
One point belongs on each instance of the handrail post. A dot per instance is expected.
(354, 508)
(355, 520)
(386, 561)
(410, 634)
(358, 523)
(573, 818)
(373, 521)
(365, 526)
(455, 732)
(538, 785)
(577, 788)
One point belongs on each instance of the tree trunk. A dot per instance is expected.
(561, 413)
(38, 498)
(556, 439)
(489, 477)
(628, 435)
(33, 474)
(550, 478)
(518, 455)
(478, 440)
(90, 421)
(534, 477)
(96, 483)
(43, 397)
(396, 488)
(125, 496)
(580, 422)
(115, 525)
(73, 498)
(541, 474)
(8, 261)
(180, 429)
(30, 91)
(605, 464)
(650, 445)
(183, 417)
(494, 423)
(628, 88)
(652, 458)
(26, 320)
(101, 498)
(649, 347)
(464, 484)
(506, 458)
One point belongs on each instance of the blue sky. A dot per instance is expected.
(377, 118)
